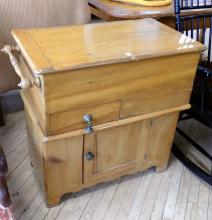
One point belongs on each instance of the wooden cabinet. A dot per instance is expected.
(100, 106)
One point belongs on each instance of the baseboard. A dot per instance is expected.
(2, 121)
(11, 102)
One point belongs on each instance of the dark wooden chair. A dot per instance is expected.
(198, 27)
(5, 198)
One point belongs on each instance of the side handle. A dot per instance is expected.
(24, 83)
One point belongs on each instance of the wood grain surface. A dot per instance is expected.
(88, 45)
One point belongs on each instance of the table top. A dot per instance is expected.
(124, 11)
(66, 48)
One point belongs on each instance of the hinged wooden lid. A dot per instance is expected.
(59, 49)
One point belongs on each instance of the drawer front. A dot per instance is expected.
(154, 101)
(73, 120)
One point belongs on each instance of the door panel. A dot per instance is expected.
(112, 147)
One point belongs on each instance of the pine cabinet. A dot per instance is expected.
(101, 100)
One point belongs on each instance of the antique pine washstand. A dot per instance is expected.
(102, 100)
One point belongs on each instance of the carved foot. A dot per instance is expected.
(54, 201)
(161, 168)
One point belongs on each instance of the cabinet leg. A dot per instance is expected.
(53, 201)
(2, 123)
(161, 168)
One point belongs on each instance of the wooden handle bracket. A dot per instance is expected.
(24, 83)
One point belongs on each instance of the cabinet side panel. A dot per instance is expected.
(36, 148)
(63, 167)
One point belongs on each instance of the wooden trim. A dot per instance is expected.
(42, 62)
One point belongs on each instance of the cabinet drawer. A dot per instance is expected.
(73, 120)
(155, 101)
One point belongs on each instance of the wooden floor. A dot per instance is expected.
(174, 194)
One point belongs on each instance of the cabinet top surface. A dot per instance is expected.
(59, 49)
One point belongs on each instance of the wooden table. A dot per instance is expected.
(110, 11)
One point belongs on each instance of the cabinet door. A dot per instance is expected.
(113, 152)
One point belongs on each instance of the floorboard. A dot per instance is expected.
(174, 194)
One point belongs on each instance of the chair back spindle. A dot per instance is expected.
(198, 27)
(195, 4)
